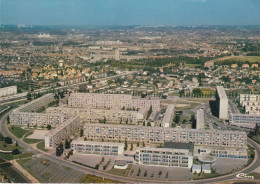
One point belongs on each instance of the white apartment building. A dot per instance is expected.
(97, 148)
(161, 134)
(164, 157)
(95, 115)
(251, 103)
(168, 116)
(200, 123)
(8, 91)
(222, 152)
(222, 103)
(37, 119)
(111, 101)
(36, 104)
(62, 132)
(244, 119)
(24, 114)
(173, 154)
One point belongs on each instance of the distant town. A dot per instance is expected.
(129, 104)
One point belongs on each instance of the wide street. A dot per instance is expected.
(5, 132)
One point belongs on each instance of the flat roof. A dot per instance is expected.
(97, 143)
(179, 145)
(221, 92)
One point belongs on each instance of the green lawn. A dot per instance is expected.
(203, 175)
(121, 172)
(11, 156)
(89, 178)
(30, 141)
(2, 107)
(256, 175)
(41, 146)
(17, 131)
(9, 147)
(23, 161)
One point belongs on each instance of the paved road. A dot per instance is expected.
(27, 147)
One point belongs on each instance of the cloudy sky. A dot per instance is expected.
(130, 12)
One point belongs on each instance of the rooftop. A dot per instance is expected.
(178, 145)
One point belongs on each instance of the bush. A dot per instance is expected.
(15, 151)
(8, 140)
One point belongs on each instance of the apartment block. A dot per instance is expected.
(251, 103)
(8, 91)
(25, 114)
(161, 135)
(168, 116)
(244, 119)
(95, 115)
(111, 101)
(38, 119)
(62, 132)
(200, 123)
(164, 157)
(222, 103)
(221, 152)
(97, 148)
(36, 104)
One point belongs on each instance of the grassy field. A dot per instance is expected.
(41, 146)
(203, 175)
(19, 156)
(256, 175)
(251, 59)
(120, 172)
(23, 161)
(89, 178)
(30, 141)
(2, 107)
(18, 131)
(8, 147)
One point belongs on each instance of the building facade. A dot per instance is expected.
(111, 101)
(11, 90)
(222, 103)
(161, 134)
(168, 116)
(97, 148)
(62, 132)
(164, 157)
(251, 103)
(200, 123)
(91, 115)
(243, 119)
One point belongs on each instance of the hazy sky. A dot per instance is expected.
(130, 12)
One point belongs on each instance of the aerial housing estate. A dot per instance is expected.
(115, 117)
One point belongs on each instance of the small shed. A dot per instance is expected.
(120, 164)
(206, 169)
(196, 168)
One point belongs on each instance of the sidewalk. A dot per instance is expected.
(24, 172)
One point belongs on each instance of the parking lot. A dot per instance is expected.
(160, 173)
(52, 172)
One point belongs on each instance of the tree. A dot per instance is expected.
(29, 96)
(125, 148)
(145, 173)
(193, 121)
(143, 144)
(81, 132)
(67, 144)
(132, 146)
(59, 150)
(137, 145)
(49, 127)
(15, 151)
(8, 140)
(177, 119)
(149, 124)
